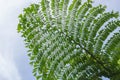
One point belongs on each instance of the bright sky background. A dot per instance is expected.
(14, 63)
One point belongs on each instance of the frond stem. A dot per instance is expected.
(92, 56)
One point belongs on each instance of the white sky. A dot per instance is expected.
(14, 63)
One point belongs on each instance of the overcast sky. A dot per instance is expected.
(14, 63)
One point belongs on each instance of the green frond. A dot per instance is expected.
(112, 43)
(71, 41)
(96, 26)
(105, 33)
(90, 17)
(81, 13)
(64, 14)
(73, 10)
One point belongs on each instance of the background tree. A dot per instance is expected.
(71, 41)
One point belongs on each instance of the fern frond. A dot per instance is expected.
(111, 27)
(71, 41)
(96, 26)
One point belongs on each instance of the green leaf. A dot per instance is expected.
(71, 41)
(19, 28)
